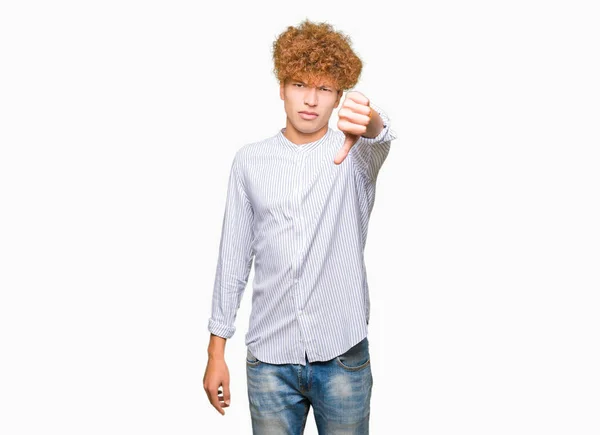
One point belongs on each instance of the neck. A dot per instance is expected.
(300, 138)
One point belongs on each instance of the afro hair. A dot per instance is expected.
(315, 51)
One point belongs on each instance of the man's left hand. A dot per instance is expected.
(355, 116)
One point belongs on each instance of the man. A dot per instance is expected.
(298, 206)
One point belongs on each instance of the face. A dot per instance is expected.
(301, 99)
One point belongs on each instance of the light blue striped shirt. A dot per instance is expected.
(303, 220)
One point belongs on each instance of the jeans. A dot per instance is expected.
(339, 390)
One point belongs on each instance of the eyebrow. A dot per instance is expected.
(320, 86)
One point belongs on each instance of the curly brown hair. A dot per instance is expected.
(314, 51)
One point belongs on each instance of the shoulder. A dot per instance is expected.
(250, 153)
(252, 149)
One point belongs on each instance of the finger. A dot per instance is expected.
(350, 128)
(226, 395)
(354, 117)
(343, 152)
(364, 109)
(214, 400)
(357, 97)
(222, 399)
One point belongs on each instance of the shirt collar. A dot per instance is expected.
(304, 147)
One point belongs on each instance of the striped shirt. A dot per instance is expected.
(303, 221)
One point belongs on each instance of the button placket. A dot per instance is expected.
(298, 217)
(298, 235)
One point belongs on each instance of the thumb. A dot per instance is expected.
(349, 142)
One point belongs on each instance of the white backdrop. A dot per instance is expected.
(118, 124)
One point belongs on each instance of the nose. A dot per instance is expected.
(310, 97)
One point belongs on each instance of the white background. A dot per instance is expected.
(118, 124)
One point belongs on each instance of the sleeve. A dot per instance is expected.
(370, 153)
(235, 256)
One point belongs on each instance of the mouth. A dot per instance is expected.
(308, 115)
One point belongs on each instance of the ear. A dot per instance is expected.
(281, 86)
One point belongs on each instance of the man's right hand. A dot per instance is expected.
(216, 377)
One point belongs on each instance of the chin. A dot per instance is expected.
(308, 128)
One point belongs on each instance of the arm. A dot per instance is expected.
(233, 267)
(235, 256)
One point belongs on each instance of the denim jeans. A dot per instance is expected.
(339, 391)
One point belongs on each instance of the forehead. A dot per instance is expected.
(321, 80)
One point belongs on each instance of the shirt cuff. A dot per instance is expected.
(386, 134)
(220, 329)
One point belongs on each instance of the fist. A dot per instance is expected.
(355, 116)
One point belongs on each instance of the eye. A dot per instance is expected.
(298, 84)
(326, 89)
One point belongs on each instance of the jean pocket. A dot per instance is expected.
(251, 359)
(355, 358)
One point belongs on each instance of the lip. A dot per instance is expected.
(308, 115)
